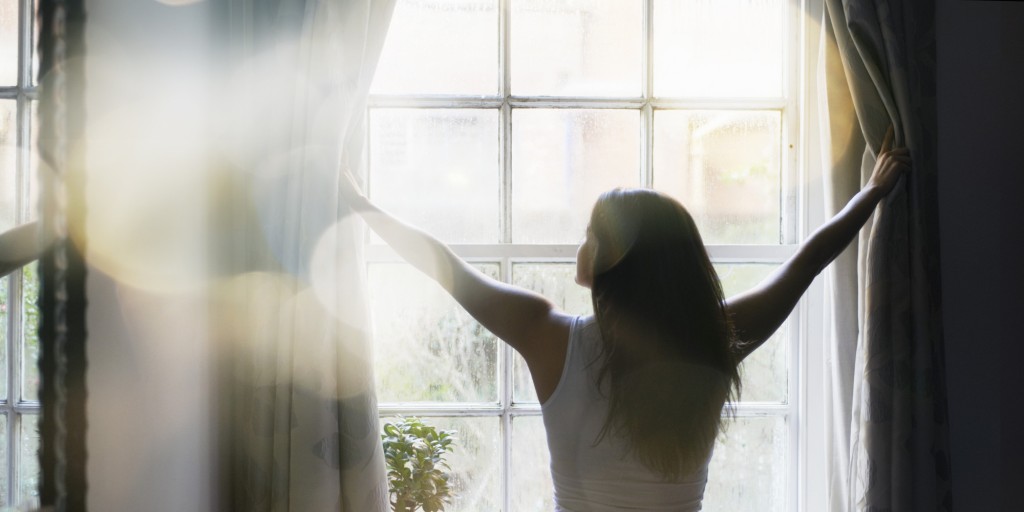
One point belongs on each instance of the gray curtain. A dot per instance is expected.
(889, 445)
(304, 433)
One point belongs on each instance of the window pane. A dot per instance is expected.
(724, 166)
(29, 470)
(34, 168)
(724, 48)
(764, 373)
(433, 47)
(556, 281)
(576, 48)
(475, 460)
(3, 459)
(531, 487)
(747, 473)
(438, 169)
(8, 163)
(36, 30)
(426, 347)
(748, 469)
(30, 331)
(8, 42)
(3, 337)
(562, 160)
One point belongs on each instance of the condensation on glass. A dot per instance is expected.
(748, 469)
(724, 166)
(439, 170)
(30, 317)
(4, 319)
(530, 466)
(764, 373)
(427, 348)
(562, 160)
(29, 474)
(4, 469)
(8, 163)
(574, 48)
(35, 167)
(9, 18)
(721, 48)
(556, 282)
(441, 48)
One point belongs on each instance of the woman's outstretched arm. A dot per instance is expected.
(21, 245)
(521, 318)
(757, 313)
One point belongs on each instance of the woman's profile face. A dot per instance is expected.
(585, 260)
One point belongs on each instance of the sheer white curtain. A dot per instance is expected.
(303, 422)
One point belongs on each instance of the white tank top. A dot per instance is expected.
(602, 478)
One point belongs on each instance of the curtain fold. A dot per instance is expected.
(303, 428)
(889, 444)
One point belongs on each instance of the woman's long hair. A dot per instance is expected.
(667, 342)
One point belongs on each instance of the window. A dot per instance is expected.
(496, 124)
(19, 317)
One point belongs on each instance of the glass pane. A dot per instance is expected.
(556, 281)
(36, 30)
(438, 169)
(8, 163)
(30, 331)
(563, 159)
(576, 48)
(33, 175)
(426, 347)
(433, 47)
(531, 487)
(748, 469)
(724, 166)
(724, 48)
(764, 373)
(29, 469)
(3, 459)
(3, 338)
(475, 460)
(8, 42)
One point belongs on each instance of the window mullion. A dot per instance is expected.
(567, 252)
(720, 103)
(505, 169)
(507, 393)
(647, 112)
(647, 146)
(505, 150)
(434, 409)
(25, 15)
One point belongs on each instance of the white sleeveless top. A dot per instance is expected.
(602, 478)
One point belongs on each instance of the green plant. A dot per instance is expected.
(417, 470)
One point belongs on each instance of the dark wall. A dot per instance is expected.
(981, 193)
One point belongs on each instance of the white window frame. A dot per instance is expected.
(14, 407)
(801, 212)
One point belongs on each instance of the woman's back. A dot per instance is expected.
(605, 476)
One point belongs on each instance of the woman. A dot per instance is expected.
(632, 397)
(22, 245)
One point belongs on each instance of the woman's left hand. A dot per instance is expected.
(889, 165)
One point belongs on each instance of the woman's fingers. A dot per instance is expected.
(886, 141)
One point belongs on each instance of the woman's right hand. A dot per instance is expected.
(350, 191)
(890, 164)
